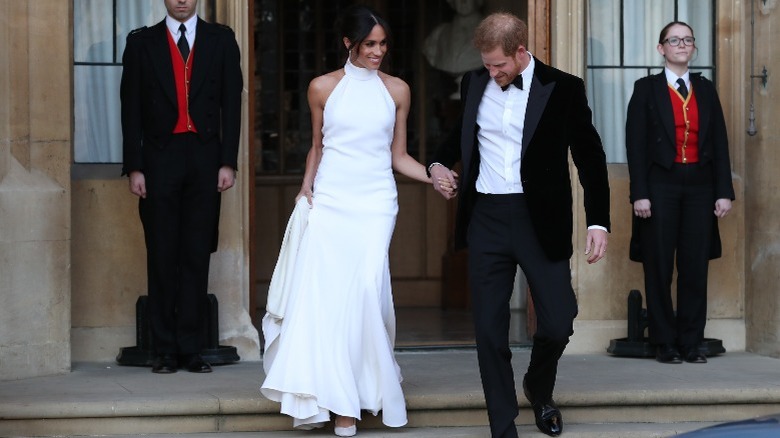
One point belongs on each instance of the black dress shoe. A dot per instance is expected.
(165, 364)
(547, 415)
(667, 353)
(693, 355)
(196, 364)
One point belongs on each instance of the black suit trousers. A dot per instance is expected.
(679, 228)
(501, 237)
(179, 217)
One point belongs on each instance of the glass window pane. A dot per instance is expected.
(642, 22)
(98, 131)
(609, 89)
(699, 14)
(604, 37)
(132, 14)
(608, 93)
(93, 31)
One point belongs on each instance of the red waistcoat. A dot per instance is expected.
(686, 126)
(182, 72)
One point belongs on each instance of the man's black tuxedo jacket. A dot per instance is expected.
(148, 91)
(651, 140)
(557, 120)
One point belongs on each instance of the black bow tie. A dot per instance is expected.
(517, 82)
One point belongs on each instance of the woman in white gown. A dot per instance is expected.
(332, 350)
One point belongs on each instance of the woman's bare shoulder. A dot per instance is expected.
(327, 82)
(398, 88)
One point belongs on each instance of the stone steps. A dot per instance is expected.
(194, 416)
(599, 396)
(642, 430)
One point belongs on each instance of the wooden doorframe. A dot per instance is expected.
(539, 38)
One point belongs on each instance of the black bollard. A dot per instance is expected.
(142, 354)
(636, 344)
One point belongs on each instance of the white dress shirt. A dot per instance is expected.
(173, 27)
(671, 78)
(500, 139)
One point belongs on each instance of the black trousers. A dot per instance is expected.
(179, 217)
(501, 237)
(679, 228)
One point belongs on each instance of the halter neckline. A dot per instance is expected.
(359, 73)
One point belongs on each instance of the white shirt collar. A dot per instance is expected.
(528, 73)
(173, 26)
(671, 77)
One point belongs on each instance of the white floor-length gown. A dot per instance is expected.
(333, 349)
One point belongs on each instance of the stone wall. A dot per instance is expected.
(762, 186)
(35, 220)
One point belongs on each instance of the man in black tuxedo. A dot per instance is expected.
(515, 208)
(181, 115)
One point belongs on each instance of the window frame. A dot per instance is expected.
(613, 147)
(107, 169)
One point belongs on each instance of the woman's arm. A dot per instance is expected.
(318, 92)
(402, 161)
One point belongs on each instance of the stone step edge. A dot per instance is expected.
(222, 424)
(200, 405)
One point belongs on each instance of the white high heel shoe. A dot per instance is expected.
(346, 431)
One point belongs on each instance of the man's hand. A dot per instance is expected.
(596, 245)
(642, 208)
(138, 183)
(722, 207)
(226, 178)
(444, 181)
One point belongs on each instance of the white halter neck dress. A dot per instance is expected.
(333, 349)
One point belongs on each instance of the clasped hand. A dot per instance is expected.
(445, 181)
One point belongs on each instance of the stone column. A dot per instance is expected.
(229, 279)
(762, 229)
(35, 156)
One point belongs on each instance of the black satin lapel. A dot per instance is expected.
(160, 54)
(537, 101)
(474, 97)
(476, 89)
